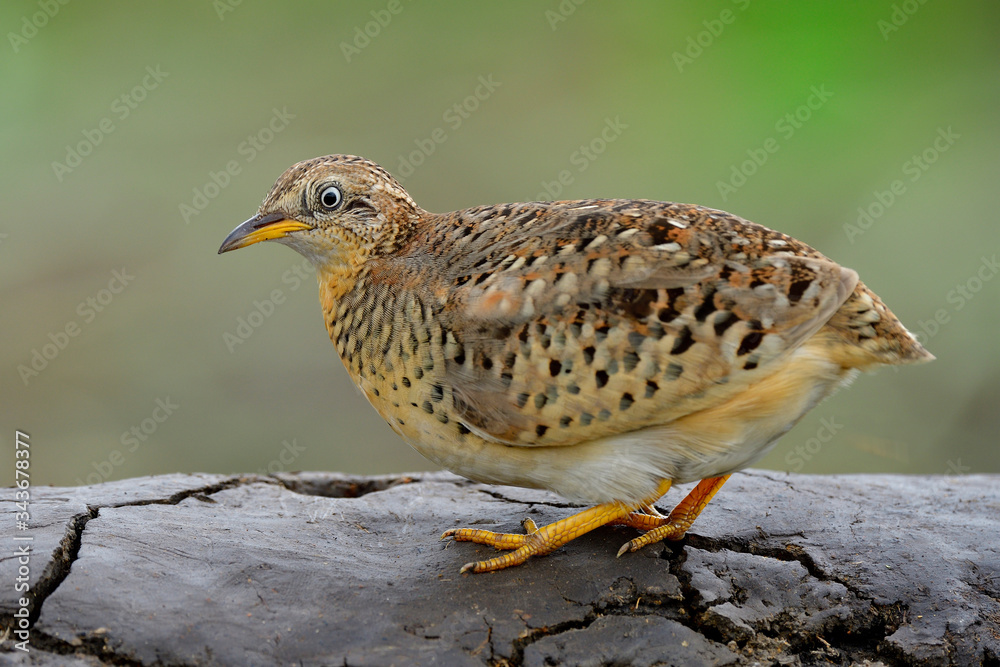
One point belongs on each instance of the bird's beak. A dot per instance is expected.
(261, 228)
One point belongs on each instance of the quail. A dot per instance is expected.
(603, 349)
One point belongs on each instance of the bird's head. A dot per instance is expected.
(334, 210)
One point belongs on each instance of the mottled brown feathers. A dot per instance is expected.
(578, 322)
(601, 349)
(619, 293)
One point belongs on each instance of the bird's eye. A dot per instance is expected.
(331, 197)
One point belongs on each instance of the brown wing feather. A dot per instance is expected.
(600, 317)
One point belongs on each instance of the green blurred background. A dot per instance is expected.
(671, 100)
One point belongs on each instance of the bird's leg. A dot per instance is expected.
(542, 540)
(651, 511)
(645, 518)
(674, 526)
(641, 521)
(497, 540)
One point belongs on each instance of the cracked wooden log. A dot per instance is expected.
(317, 568)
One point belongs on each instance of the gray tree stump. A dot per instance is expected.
(318, 568)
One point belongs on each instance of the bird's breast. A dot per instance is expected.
(395, 347)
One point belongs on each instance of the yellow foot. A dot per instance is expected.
(674, 526)
(497, 540)
(543, 540)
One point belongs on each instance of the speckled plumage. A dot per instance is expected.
(594, 347)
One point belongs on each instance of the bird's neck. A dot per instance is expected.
(336, 281)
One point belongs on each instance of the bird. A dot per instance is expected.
(601, 349)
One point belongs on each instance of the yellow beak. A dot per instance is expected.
(261, 228)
